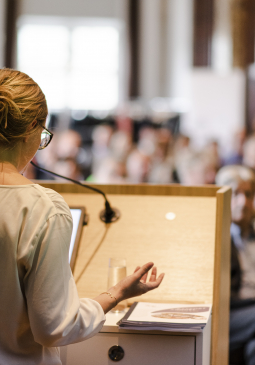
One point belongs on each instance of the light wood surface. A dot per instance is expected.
(193, 249)
(180, 248)
(141, 189)
(221, 293)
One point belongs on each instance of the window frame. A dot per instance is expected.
(72, 22)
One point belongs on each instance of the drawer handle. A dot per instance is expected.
(116, 353)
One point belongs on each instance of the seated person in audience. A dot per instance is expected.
(137, 166)
(242, 312)
(196, 168)
(236, 155)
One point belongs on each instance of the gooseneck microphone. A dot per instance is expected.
(108, 215)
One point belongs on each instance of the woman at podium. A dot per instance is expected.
(40, 308)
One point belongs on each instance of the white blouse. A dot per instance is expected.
(40, 308)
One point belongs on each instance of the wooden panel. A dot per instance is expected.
(134, 35)
(250, 105)
(202, 32)
(10, 42)
(141, 189)
(182, 248)
(221, 292)
(243, 18)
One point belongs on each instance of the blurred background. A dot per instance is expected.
(158, 91)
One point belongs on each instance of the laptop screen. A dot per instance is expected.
(78, 220)
(76, 214)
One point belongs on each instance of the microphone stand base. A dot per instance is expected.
(110, 219)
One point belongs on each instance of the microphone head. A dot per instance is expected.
(109, 216)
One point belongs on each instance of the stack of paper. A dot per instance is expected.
(166, 317)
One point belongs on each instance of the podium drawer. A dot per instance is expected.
(138, 350)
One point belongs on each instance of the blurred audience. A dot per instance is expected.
(249, 152)
(101, 138)
(109, 171)
(236, 156)
(196, 169)
(137, 166)
(155, 154)
(242, 298)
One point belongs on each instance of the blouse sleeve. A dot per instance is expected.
(56, 314)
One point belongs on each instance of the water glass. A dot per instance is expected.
(116, 272)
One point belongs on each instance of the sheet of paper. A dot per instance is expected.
(170, 313)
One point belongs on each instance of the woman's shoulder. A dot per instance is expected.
(52, 198)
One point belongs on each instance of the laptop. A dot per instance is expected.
(78, 215)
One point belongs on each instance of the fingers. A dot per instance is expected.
(160, 278)
(153, 276)
(144, 278)
(143, 270)
(154, 284)
(137, 268)
(142, 274)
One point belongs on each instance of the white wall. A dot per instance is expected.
(222, 38)
(180, 29)
(217, 108)
(166, 48)
(2, 32)
(150, 48)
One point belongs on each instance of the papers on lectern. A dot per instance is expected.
(166, 317)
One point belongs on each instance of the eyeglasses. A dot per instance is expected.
(46, 137)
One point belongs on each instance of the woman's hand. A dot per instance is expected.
(136, 284)
(131, 286)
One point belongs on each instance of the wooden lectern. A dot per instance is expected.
(193, 250)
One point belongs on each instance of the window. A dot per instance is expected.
(76, 62)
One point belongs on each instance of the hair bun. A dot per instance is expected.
(21, 102)
(7, 105)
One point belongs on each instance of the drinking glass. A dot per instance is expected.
(117, 271)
